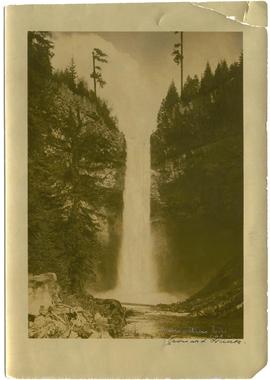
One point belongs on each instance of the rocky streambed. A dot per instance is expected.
(149, 321)
(66, 321)
(146, 321)
(53, 314)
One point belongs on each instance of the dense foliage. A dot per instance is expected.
(197, 157)
(76, 158)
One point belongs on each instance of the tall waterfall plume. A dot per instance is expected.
(137, 277)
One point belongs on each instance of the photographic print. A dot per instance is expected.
(135, 185)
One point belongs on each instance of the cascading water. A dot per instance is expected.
(137, 276)
(137, 271)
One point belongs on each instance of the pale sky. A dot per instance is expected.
(140, 67)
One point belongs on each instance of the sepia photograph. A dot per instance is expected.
(135, 185)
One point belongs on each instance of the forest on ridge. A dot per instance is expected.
(76, 163)
(197, 180)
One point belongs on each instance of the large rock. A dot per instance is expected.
(75, 316)
(43, 292)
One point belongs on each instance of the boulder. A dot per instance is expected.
(79, 316)
(43, 292)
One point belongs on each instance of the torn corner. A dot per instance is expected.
(251, 13)
(256, 14)
(246, 12)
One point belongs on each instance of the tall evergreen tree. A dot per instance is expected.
(39, 81)
(76, 138)
(207, 80)
(98, 56)
(170, 108)
(190, 90)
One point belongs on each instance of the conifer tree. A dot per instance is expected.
(71, 75)
(178, 58)
(207, 80)
(98, 56)
(190, 90)
(70, 136)
(169, 107)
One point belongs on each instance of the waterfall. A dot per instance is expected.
(137, 270)
(137, 276)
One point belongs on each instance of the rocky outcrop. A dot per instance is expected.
(221, 297)
(223, 294)
(43, 292)
(56, 315)
(196, 200)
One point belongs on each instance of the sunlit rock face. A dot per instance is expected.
(43, 291)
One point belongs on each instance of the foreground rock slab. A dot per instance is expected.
(78, 316)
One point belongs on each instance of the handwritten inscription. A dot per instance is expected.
(200, 341)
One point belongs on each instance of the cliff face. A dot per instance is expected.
(76, 163)
(197, 181)
(216, 310)
(196, 209)
(108, 217)
(76, 182)
(222, 296)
